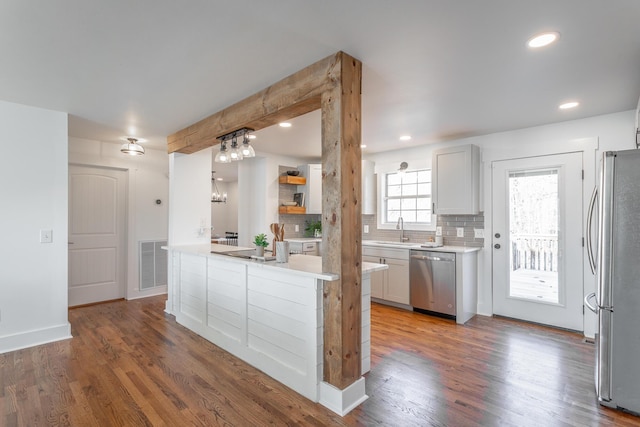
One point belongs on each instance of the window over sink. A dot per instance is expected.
(407, 195)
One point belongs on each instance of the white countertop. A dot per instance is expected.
(409, 245)
(306, 265)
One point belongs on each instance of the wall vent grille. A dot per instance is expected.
(153, 264)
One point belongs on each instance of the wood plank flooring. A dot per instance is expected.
(130, 364)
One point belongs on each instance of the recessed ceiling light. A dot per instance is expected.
(405, 137)
(252, 137)
(543, 39)
(363, 145)
(220, 179)
(284, 124)
(568, 105)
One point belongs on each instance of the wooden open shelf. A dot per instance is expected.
(294, 180)
(292, 210)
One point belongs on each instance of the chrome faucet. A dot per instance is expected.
(400, 226)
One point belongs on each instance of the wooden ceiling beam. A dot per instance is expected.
(297, 94)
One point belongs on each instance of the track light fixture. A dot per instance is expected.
(231, 150)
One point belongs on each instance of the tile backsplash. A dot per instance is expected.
(449, 224)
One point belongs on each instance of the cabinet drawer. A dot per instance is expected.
(377, 251)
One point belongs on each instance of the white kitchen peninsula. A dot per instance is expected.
(267, 314)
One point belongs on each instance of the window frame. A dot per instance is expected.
(382, 205)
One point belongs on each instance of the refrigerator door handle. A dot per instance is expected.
(590, 254)
(587, 302)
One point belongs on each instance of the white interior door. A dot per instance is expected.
(97, 211)
(537, 241)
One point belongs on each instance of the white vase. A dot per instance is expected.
(260, 251)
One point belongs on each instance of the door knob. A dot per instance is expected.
(497, 235)
(497, 246)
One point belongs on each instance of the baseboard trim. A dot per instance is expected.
(33, 338)
(342, 401)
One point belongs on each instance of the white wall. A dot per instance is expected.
(608, 132)
(224, 216)
(148, 181)
(189, 204)
(33, 275)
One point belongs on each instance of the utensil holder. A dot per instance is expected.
(282, 251)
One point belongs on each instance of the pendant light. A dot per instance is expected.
(234, 152)
(246, 149)
(223, 154)
(132, 147)
(216, 196)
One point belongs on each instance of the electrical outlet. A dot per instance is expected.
(460, 231)
(297, 228)
(478, 233)
(366, 228)
(46, 236)
(438, 231)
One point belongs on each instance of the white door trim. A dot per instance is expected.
(505, 149)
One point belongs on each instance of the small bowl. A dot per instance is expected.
(289, 204)
(293, 173)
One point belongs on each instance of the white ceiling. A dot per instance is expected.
(433, 69)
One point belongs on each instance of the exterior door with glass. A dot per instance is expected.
(537, 241)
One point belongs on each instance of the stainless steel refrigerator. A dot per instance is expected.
(615, 260)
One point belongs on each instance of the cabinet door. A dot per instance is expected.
(456, 176)
(397, 285)
(377, 277)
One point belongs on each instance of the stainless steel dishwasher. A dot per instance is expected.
(432, 277)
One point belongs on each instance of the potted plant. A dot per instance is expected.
(261, 242)
(313, 228)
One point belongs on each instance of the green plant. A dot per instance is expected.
(311, 227)
(261, 240)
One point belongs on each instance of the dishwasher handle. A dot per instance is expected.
(431, 258)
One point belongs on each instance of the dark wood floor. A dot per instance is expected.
(129, 364)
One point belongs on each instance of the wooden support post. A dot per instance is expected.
(341, 225)
(333, 84)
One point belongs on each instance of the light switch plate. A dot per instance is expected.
(460, 231)
(366, 228)
(297, 228)
(438, 231)
(478, 233)
(46, 236)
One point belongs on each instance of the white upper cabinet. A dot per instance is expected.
(456, 180)
(368, 187)
(313, 188)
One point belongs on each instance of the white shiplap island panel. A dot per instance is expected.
(268, 314)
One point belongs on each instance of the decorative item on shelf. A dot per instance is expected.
(132, 147)
(260, 241)
(289, 203)
(216, 196)
(313, 228)
(298, 198)
(293, 173)
(234, 151)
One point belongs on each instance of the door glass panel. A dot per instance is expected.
(534, 226)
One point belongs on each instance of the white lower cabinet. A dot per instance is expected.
(392, 284)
